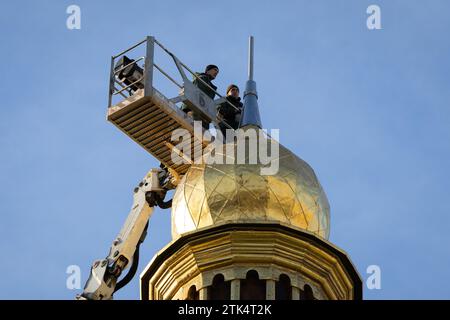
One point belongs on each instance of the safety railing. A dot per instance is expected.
(140, 76)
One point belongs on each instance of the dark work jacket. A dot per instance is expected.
(207, 78)
(229, 113)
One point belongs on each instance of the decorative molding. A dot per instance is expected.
(232, 250)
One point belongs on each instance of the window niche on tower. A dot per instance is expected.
(307, 293)
(252, 288)
(283, 289)
(192, 293)
(220, 289)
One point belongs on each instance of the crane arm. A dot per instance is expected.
(104, 275)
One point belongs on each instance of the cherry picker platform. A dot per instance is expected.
(147, 116)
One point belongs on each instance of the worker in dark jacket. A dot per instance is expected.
(230, 113)
(211, 72)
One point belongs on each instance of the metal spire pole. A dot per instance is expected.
(250, 113)
(250, 57)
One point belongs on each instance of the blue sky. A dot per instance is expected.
(368, 110)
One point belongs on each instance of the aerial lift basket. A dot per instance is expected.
(150, 118)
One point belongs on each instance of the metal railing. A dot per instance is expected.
(194, 74)
(147, 77)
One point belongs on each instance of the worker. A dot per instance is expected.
(230, 110)
(211, 72)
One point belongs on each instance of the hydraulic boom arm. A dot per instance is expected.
(103, 279)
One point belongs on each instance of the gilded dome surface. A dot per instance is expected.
(210, 194)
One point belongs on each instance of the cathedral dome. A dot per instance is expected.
(211, 194)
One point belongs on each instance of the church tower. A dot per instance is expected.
(241, 235)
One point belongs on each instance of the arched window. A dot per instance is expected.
(306, 293)
(283, 290)
(252, 288)
(192, 293)
(220, 289)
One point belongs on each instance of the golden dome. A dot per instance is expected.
(210, 194)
